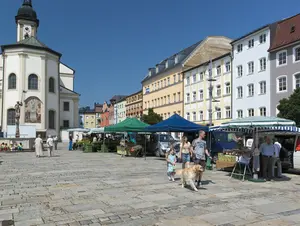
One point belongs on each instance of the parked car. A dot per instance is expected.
(160, 144)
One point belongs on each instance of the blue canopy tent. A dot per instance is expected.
(176, 123)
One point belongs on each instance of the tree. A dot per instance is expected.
(151, 118)
(289, 108)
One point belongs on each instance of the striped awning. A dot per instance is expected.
(249, 130)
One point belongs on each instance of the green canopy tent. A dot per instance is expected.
(128, 125)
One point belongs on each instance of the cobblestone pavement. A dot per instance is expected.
(75, 188)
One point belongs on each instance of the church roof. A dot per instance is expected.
(31, 42)
(26, 12)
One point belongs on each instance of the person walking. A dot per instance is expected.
(200, 150)
(267, 150)
(50, 145)
(70, 143)
(276, 159)
(38, 144)
(185, 152)
(55, 142)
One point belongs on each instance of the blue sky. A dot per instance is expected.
(111, 44)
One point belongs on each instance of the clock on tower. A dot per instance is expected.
(26, 31)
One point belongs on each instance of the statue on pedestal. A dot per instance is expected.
(17, 117)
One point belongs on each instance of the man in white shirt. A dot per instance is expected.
(50, 144)
(276, 159)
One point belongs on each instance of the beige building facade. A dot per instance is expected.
(89, 119)
(163, 86)
(134, 105)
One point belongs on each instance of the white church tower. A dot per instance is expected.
(32, 73)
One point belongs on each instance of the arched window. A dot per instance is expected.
(11, 117)
(33, 82)
(51, 85)
(12, 81)
(51, 119)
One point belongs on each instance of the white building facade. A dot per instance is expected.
(251, 74)
(33, 74)
(121, 110)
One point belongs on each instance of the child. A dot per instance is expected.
(171, 160)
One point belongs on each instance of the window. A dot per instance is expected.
(228, 112)
(240, 48)
(201, 75)
(297, 81)
(188, 116)
(174, 78)
(165, 82)
(11, 117)
(263, 64)
(187, 80)
(250, 43)
(169, 99)
(240, 70)
(52, 85)
(218, 70)
(201, 94)
(227, 88)
(66, 124)
(194, 96)
(281, 84)
(66, 106)
(169, 114)
(263, 111)
(263, 88)
(219, 91)
(281, 58)
(194, 116)
(296, 54)
(250, 112)
(240, 113)
(178, 96)
(174, 97)
(178, 75)
(12, 81)
(262, 38)
(187, 97)
(200, 115)
(250, 67)
(194, 78)
(240, 92)
(219, 113)
(250, 90)
(51, 119)
(168, 81)
(227, 67)
(32, 82)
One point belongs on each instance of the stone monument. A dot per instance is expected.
(17, 117)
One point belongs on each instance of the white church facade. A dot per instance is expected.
(32, 73)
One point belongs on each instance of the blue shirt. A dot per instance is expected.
(171, 158)
(267, 149)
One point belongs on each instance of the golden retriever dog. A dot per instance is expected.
(189, 175)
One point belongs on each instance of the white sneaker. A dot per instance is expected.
(170, 178)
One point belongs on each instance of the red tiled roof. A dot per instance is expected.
(283, 34)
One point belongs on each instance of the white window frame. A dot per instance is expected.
(227, 88)
(294, 54)
(201, 116)
(252, 112)
(239, 71)
(228, 112)
(250, 92)
(201, 94)
(194, 116)
(277, 58)
(251, 41)
(218, 113)
(202, 73)
(239, 48)
(264, 40)
(277, 84)
(218, 91)
(194, 96)
(188, 116)
(227, 67)
(194, 78)
(260, 87)
(239, 94)
(260, 111)
(294, 80)
(262, 64)
(188, 80)
(250, 67)
(218, 70)
(238, 113)
(188, 98)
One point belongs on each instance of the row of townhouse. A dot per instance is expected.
(250, 74)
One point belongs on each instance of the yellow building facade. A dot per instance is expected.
(134, 105)
(89, 119)
(163, 86)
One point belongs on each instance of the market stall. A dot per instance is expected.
(252, 126)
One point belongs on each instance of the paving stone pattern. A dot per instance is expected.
(75, 188)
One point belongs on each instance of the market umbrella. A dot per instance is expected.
(128, 125)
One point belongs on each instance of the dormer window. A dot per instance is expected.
(157, 69)
(293, 29)
(176, 59)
